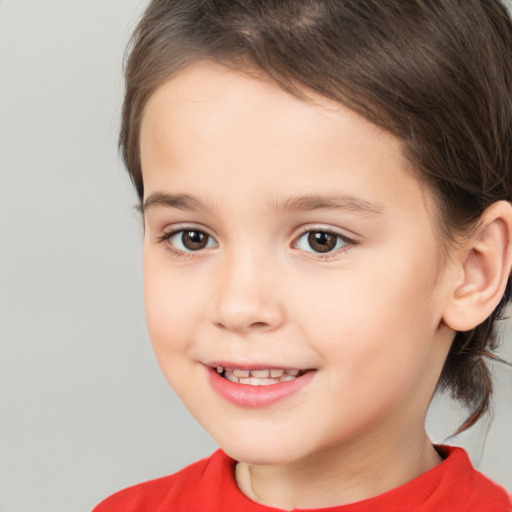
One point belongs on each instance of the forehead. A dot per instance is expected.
(209, 93)
(210, 127)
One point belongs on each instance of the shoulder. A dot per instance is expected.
(466, 484)
(188, 486)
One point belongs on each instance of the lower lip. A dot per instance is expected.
(257, 396)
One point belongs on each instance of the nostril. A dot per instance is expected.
(254, 325)
(237, 310)
(259, 325)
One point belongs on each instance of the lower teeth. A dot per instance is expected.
(254, 381)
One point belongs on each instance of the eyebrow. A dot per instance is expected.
(329, 202)
(180, 201)
(293, 204)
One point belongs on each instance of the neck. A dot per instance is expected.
(339, 475)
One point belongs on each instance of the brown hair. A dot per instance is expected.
(437, 74)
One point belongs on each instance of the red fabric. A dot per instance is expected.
(209, 486)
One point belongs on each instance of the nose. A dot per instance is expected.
(246, 295)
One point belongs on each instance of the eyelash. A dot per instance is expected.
(166, 236)
(330, 254)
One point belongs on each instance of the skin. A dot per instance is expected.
(367, 316)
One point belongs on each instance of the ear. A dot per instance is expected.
(484, 263)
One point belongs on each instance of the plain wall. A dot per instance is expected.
(84, 410)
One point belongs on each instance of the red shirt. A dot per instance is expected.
(210, 486)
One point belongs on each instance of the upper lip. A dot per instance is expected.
(252, 366)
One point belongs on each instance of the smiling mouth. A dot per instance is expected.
(265, 377)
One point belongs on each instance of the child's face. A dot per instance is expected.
(307, 246)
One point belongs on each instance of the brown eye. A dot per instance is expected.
(188, 240)
(194, 240)
(321, 241)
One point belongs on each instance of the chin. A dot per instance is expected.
(258, 457)
(250, 449)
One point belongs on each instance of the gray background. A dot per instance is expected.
(84, 410)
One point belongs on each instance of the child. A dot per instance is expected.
(325, 187)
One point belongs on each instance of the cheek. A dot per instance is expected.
(170, 310)
(380, 314)
(171, 318)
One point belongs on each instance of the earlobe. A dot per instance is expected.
(485, 263)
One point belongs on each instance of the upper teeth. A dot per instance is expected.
(258, 377)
